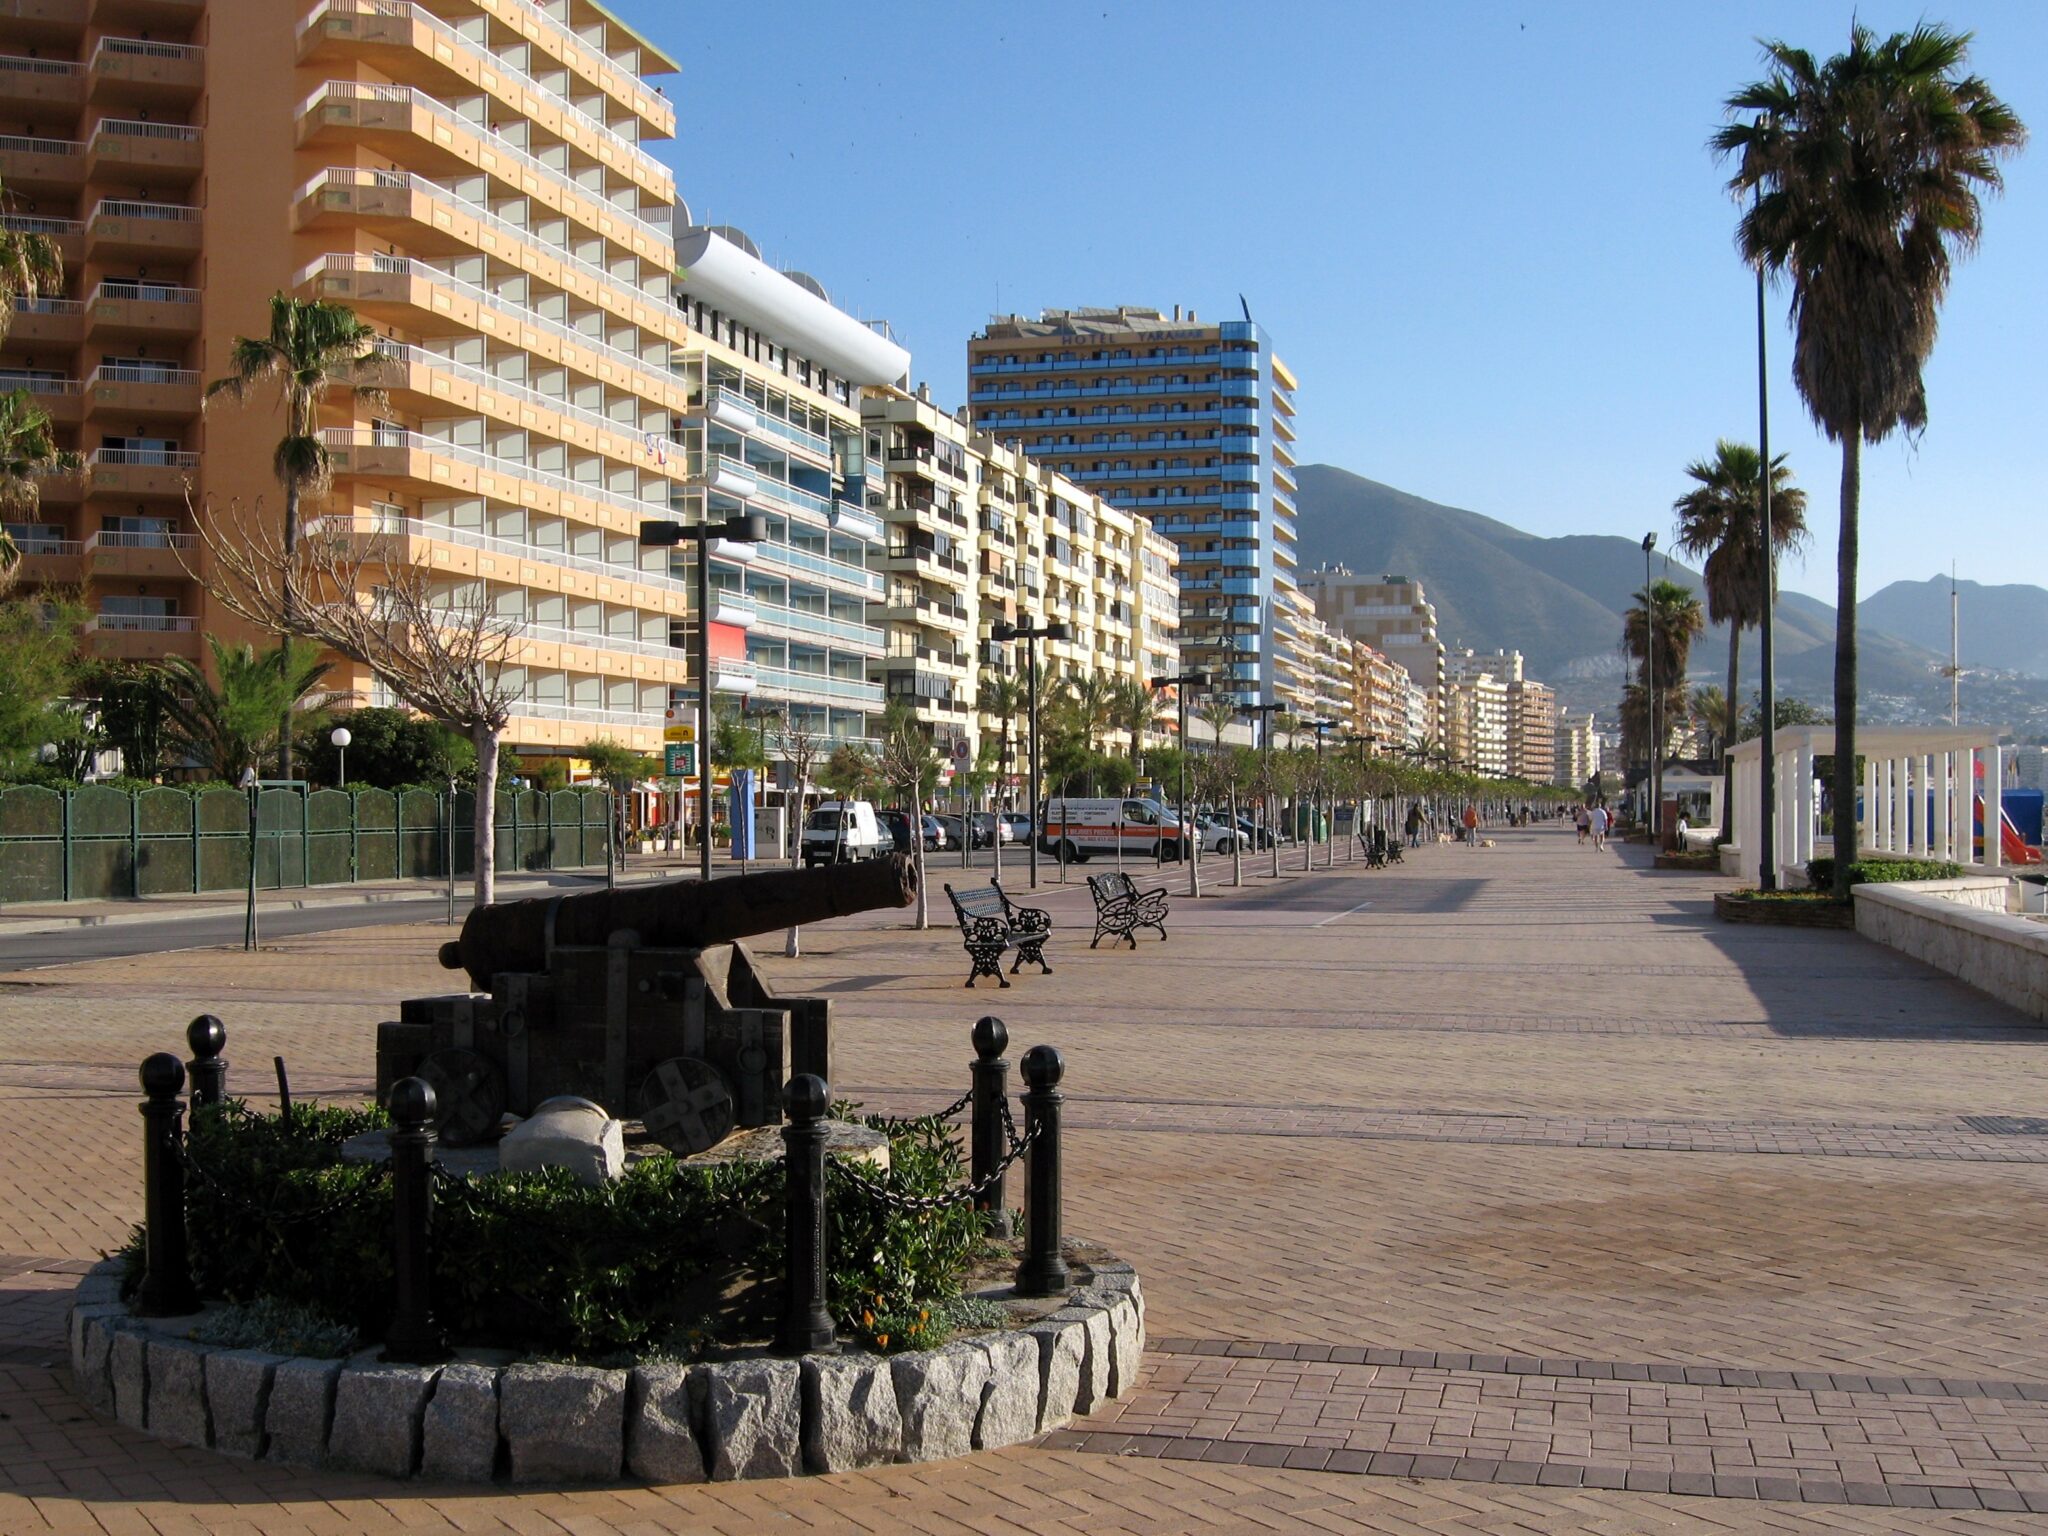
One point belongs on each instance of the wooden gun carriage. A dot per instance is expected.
(642, 1000)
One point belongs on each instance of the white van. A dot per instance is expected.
(1078, 828)
(844, 831)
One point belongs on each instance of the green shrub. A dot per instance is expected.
(281, 1327)
(1820, 873)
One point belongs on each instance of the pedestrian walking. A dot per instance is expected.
(1599, 826)
(1583, 818)
(1413, 826)
(1471, 825)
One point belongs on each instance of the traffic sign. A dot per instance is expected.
(674, 732)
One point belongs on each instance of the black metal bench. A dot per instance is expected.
(991, 923)
(1121, 909)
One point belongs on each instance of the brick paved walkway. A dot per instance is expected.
(1424, 1119)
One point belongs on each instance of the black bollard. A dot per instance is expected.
(990, 1075)
(166, 1289)
(413, 1338)
(207, 1037)
(1044, 1270)
(807, 1326)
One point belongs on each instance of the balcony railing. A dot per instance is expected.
(649, 166)
(407, 355)
(416, 442)
(142, 623)
(774, 426)
(145, 48)
(30, 224)
(141, 458)
(24, 144)
(127, 290)
(592, 62)
(28, 306)
(844, 690)
(14, 63)
(599, 640)
(37, 385)
(380, 523)
(114, 208)
(586, 714)
(116, 539)
(135, 128)
(420, 101)
(141, 373)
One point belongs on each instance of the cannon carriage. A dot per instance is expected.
(644, 1000)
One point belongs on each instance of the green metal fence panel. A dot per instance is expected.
(565, 819)
(597, 824)
(31, 844)
(419, 834)
(330, 837)
(102, 843)
(462, 832)
(223, 817)
(280, 839)
(165, 849)
(376, 834)
(533, 848)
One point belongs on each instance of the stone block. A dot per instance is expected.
(237, 1393)
(127, 1365)
(459, 1430)
(98, 1287)
(938, 1392)
(569, 1133)
(1062, 1355)
(1009, 1403)
(1126, 1346)
(753, 1419)
(301, 1407)
(92, 1341)
(661, 1416)
(1096, 1364)
(563, 1423)
(176, 1369)
(850, 1415)
(377, 1412)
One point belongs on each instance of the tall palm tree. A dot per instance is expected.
(233, 724)
(1865, 172)
(29, 266)
(1001, 694)
(1671, 615)
(1091, 697)
(1721, 518)
(313, 347)
(1133, 708)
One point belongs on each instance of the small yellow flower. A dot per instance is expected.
(867, 1319)
(882, 1339)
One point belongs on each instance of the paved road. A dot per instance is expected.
(36, 951)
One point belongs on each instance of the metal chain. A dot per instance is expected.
(883, 1195)
(249, 1207)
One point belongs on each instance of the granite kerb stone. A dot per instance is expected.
(479, 1421)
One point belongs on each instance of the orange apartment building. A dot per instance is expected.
(470, 177)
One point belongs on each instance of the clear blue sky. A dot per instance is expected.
(1488, 237)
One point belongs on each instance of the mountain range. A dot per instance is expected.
(1560, 601)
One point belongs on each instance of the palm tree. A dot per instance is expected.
(1001, 694)
(1865, 172)
(313, 347)
(1709, 712)
(29, 265)
(1721, 518)
(1133, 708)
(1091, 700)
(234, 724)
(1669, 614)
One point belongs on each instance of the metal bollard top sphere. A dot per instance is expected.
(207, 1037)
(412, 1102)
(991, 1039)
(807, 1097)
(1043, 1067)
(162, 1075)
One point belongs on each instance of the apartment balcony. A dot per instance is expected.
(927, 611)
(733, 608)
(137, 153)
(730, 675)
(41, 166)
(775, 620)
(48, 559)
(41, 90)
(555, 41)
(411, 44)
(147, 474)
(48, 322)
(143, 637)
(138, 72)
(142, 392)
(948, 570)
(128, 311)
(141, 556)
(409, 539)
(856, 522)
(441, 468)
(62, 487)
(816, 688)
(418, 380)
(121, 231)
(45, 21)
(67, 236)
(413, 129)
(62, 400)
(730, 408)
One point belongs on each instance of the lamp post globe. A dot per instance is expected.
(340, 737)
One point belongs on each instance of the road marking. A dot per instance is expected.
(1346, 913)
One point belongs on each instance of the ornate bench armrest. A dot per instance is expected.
(985, 930)
(1032, 919)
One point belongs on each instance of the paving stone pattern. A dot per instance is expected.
(1258, 1117)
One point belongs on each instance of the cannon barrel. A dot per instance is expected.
(677, 914)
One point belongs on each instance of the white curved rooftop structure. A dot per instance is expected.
(723, 275)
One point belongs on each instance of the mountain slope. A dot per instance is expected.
(1560, 600)
(2004, 627)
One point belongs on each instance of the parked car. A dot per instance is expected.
(988, 827)
(956, 829)
(935, 835)
(899, 823)
(1016, 827)
(843, 831)
(1220, 835)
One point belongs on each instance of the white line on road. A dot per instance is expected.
(1346, 913)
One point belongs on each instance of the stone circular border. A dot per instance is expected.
(474, 1421)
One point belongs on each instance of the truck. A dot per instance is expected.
(1076, 828)
(842, 831)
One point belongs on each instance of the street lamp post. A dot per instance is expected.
(1767, 788)
(1321, 808)
(1003, 632)
(1364, 743)
(740, 528)
(341, 738)
(1264, 713)
(1183, 683)
(1650, 687)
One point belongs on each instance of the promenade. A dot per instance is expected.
(1500, 1191)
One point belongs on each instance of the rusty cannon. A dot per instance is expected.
(642, 999)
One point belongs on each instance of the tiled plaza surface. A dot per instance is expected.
(1501, 1191)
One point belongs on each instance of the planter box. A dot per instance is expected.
(1734, 908)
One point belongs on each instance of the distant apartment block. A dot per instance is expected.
(1532, 731)
(978, 533)
(1188, 423)
(1384, 692)
(1393, 615)
(1578, 750)
(1475, 710)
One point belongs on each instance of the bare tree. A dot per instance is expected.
(800, 749)
(437, 645)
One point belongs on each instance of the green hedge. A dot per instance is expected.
(1820, 873)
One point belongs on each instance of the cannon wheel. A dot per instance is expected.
(686, 1105)
(469, 1096)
